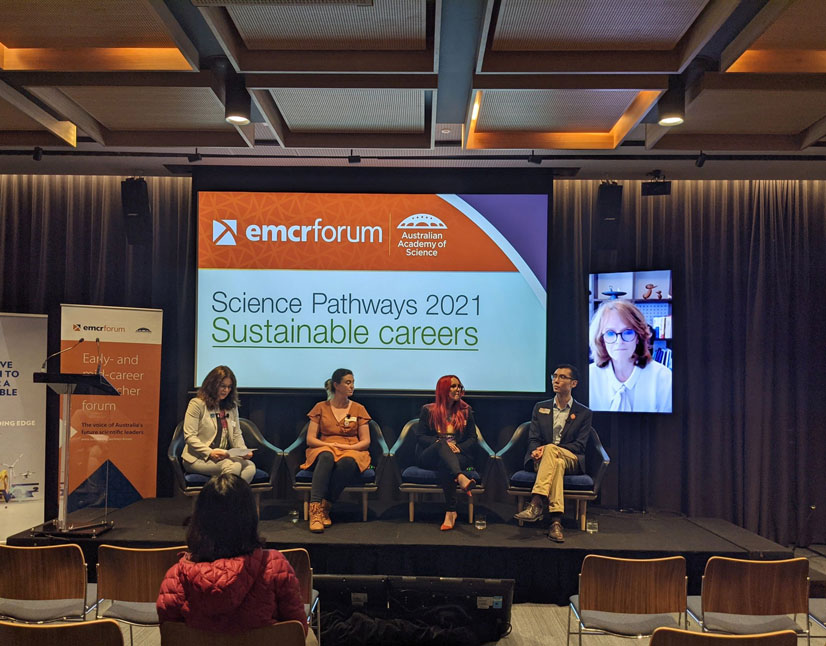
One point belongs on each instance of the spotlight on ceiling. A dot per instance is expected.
(37, 155)
(534, 159)
(701, 159)
(353, 159)
(194, 157)
(237, 103)
(671, 106)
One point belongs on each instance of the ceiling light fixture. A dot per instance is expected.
(194, 157)
(237, 103)
(671, 106)
(701, 159)
(534, 158)
(353, 159)
(37, 155)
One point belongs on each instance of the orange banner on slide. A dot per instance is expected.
(341, 231)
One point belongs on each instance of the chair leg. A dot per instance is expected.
(470, 511)
(306, 506)
(364, 506)
(520, 505)
(131, 639)
(257, 508)
(411, 506)
(582, 512)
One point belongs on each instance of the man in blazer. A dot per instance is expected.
(559, 431)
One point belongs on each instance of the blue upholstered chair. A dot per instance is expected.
(267, 459)
(364, 483)
(579, 487)
(416, 481)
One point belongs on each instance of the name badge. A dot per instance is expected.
(544, 411)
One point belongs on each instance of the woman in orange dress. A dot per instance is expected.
(338, 443)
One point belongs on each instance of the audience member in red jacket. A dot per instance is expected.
(227, 582)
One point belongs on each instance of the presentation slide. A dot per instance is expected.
(630, 338)
(399, 288)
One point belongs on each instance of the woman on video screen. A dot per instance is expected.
(623, 376)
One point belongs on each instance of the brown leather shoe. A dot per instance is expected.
(326, 506)
(555, 533)
(530, 514)
(316, 518)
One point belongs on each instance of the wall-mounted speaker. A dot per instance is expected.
(137, 216)
(606, 225)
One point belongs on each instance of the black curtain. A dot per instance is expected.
(63, 240)
(745, 441)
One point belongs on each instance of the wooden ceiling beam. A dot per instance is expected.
(582, 62)
(758, 83)
(269, 110)
(334, 81)
(721, 141)
(62, 104)
(774, 61)
(358, 140)
(813, 134)
(111, 79)
(752, 31)
(91, 59)
(188, 50)
(64, 130)
(29, 138)
(708, 23)
(176, 138)
(224, 30)
(570, 82)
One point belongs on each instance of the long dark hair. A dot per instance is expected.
(209, 389)
(225, 521)
(443, 408)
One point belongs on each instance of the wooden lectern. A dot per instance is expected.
(69, 384)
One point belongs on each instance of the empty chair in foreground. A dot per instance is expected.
(102, 632)
(628, 597)
(676, 637)
(746, 597)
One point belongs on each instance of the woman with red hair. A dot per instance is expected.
(444, 437)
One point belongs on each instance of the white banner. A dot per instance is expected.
(22, 422)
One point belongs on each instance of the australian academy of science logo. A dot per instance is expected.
(224, 232)
(421, 235)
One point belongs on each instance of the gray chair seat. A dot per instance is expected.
(39, 610)
(737, 624)
(620, 623)
(133, 612)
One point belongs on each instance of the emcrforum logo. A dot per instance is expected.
(421, 221)
(224, 232)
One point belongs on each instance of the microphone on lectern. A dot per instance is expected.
(77, 343)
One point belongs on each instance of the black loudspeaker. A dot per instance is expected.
(608, 216)
(134, 196)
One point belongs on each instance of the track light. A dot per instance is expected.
(237, 104)
(671, 106)
(701, 159)
(534, 159)
(353, 159)
(194, 157)
(37, 155)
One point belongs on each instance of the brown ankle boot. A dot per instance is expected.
(326, 506)
(316, 522)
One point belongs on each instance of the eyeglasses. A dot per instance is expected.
(627, 335)
(556, 376)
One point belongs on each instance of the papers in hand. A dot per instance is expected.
(239, 453)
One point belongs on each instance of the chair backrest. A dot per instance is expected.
(378, 447)
(267, 456)
(284, 633)
(756, 587)
(675, 637)
(42, 573)
(596, 459)
(101, 632)
(299, 559)
(173, 454)
(633, 586)
(135, 575)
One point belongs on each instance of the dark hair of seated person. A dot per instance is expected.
(225, 521)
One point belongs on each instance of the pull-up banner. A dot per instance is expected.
(22, 422)
(113, 445)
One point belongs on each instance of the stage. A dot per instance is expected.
(388, 544)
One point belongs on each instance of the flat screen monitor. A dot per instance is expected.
(630, 337)
(399, 288)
